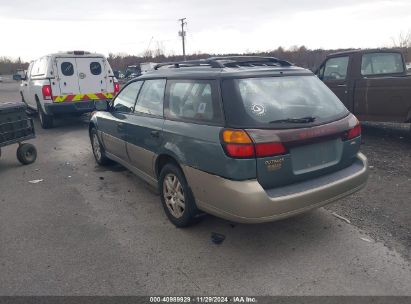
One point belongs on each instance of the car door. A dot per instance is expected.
(67, 79)
(334, 74)
(92, 75)
(25, 88)
(144, 127)
(113, 124)
(381, 93)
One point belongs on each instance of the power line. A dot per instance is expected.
(182, 33)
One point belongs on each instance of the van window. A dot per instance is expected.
(336, 68)
(150, 99)
(193, 101)
(95, 68)
(67, 68)
(125, 100)
(381, 63)
(39, 67)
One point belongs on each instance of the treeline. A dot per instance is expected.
(300, 56)
(9, 66)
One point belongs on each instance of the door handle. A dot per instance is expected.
(155, 134)
(341, 85)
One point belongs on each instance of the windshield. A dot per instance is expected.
(280, 102)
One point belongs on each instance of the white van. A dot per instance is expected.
(72, 82)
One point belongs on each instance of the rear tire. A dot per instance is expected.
(176, 196)
(26, 154)
(46, 121)
(98, 150)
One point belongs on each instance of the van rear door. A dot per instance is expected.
(92, 75)
(67, 76)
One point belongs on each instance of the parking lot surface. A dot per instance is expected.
(87, 230)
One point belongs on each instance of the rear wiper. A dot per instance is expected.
(306, 119)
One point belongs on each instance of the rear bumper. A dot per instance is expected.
(248, 202)
(71, 107)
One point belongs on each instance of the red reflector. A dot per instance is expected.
(269, 149)
(240, 151)
(116, 87)
(354, 132)
(46, 90)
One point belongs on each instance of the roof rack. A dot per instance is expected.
(190, 63)
(227, 61)
(238, 61)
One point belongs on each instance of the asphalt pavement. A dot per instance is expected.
(88, 230)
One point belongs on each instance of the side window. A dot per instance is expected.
(67, 68)
(28, 72)
(193, 100)
(381, 63)
(150, 99)
(336, 68)
(95, 68)
(39, 67)
(125, 100)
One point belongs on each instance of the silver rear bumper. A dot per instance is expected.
(248, 202)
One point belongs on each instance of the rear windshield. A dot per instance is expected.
(280, 102)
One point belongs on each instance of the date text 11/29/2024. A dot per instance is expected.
(205, 299)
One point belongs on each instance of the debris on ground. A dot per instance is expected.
(217, 238)
(366, 240)
(341, 218)
(35, 181)
(102, 178)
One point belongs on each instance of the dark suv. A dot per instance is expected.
(248, 139)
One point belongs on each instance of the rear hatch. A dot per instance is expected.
(299, 128)
(82, 75)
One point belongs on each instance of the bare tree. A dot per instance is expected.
(402, 41)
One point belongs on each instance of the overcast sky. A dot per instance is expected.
(32, 28)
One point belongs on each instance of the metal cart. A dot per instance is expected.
(16, 127)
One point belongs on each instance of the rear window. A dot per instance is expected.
(95, 68)
(271, 102)
(67, 68)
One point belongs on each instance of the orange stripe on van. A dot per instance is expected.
(82, 97)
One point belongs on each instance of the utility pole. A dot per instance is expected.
(182, 33)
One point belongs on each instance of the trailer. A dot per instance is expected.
(15, 128)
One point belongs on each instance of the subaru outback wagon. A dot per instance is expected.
(248, 139)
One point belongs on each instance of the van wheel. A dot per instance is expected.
(177, 198)
(46, 121)
(26, 154)
(98, 150)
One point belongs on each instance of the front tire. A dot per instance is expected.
(26, 154)
(98, 150)
(46, 121)
(176, 196)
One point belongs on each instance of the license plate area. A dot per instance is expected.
(316, 156)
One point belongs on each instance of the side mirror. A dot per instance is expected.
(102, 105)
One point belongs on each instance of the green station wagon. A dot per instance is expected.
(248, 139)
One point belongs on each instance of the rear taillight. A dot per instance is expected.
(46, 91)
(116, 87)
(238, 144)
(354, 132)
